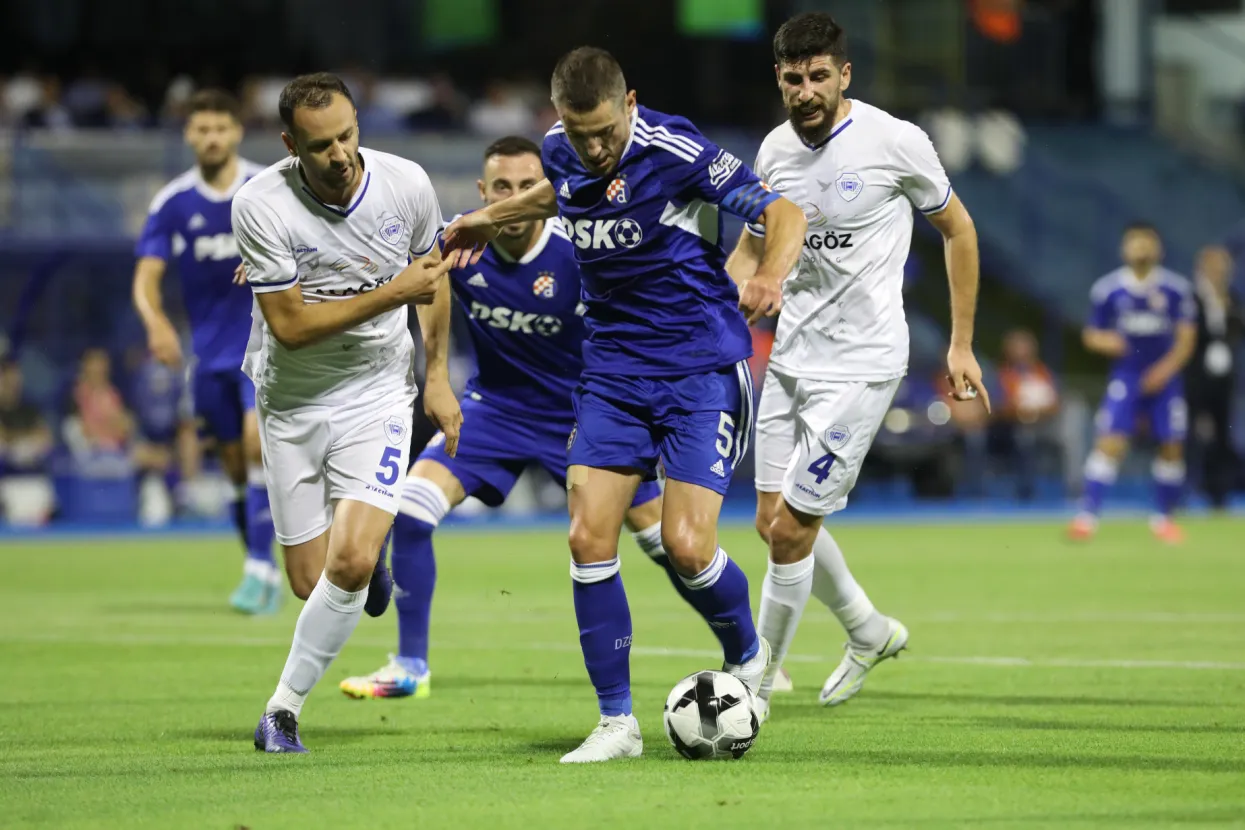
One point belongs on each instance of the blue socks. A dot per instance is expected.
(720, 594)
(415, 576)
(415, 568)
(259, 530)
(604, 633)
(1168, 484)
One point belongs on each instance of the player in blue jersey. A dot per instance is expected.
(522, 303)
(665, 360)
(1144, 319)
(189, 223)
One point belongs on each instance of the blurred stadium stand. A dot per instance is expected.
(1052, 156)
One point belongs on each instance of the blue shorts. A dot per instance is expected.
(697, 426)
(221, 398)
(1166, 410)
(496, 445)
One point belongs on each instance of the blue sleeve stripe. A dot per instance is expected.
(945, 200)
(744, 201)
(263, 287)
(431, 244)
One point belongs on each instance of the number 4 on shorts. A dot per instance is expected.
(821, 467)
(389, 469)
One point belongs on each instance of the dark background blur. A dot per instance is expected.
(1059, 121)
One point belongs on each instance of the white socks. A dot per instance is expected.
(325, 624)
(784, 593)
(838, 590)
(649, 540)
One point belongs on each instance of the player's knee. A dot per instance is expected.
(301, 580)
(764, 519)
(1112, 446)
(1171, 451)
(789, 540)
(351, 565)
(589, 546)
(689, 548)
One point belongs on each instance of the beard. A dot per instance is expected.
(816, 130)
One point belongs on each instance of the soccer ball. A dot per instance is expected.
(709, 716)
(628, 233)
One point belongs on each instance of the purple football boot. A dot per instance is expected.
(278, 732)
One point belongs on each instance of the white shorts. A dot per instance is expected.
(315, 456)
(813, 435)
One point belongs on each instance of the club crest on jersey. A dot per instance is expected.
(849, 186)
(618, 192)
(545, 285)
(836, 437)
(395, 430)
(1158, 301)
(391, 229)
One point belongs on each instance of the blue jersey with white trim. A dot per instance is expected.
(648, 239)
(524, 318)
(189, 222)
(1145, 312)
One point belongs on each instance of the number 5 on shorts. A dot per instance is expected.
(389, 469)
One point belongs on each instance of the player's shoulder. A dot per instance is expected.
(251, 169)
(1106, 285)
(406, 169)
(670, 139)
(183, 183)
(1174, 281)
(267, 188)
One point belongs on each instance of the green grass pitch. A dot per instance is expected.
(1046, 685)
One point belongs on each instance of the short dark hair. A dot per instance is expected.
(214, 100)
(585, 77)
(1139, 226)
(314, 91)
(810, 35)
(512, 145)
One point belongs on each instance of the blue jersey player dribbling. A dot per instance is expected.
(1143, 318)
(665, 376)
(189, 223)
(524, 315)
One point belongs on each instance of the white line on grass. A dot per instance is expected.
(639, 651)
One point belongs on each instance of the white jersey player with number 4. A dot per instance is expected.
(841, 348)
(335, 242)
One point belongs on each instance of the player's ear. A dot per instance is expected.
(778, 75)
(288, 140)
(845, 76)
(480, 185)
(630, 101)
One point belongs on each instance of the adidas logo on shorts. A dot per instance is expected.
(718, 468)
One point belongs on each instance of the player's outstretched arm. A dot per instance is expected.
(162, 339)
(440, 405)
(1172, 364)
(785, 225)
(467, 235)
(963, 272)
(743, 262)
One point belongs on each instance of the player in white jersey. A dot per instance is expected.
(326, 237)
(841, 347)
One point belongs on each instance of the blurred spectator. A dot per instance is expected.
(376, 117)
(86, 98)
(502, 112)
(99, 421)
(1211, 373)
(26, 441)
(446, 110)
(47, 112)
(1026, 410)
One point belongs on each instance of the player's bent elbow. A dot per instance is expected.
(784, 212)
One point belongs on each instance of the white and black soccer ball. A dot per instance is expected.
(628, 233)
(709, 715)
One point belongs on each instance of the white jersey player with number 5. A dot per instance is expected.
(841, 348)
(336, 241)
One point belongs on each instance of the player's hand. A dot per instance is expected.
(239, 274)
(164, 344)
(759, 297)
(442, 409)
(965, 375)
(464, 240)
(419, 281)
(1155, 379)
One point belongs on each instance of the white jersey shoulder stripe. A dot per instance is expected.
(186, 181)
(663, 132)
(673, 149)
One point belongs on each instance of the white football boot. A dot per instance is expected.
(752, 673)
(616, 736)
(845, 681)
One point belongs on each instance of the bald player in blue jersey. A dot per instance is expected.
(189, 224)
(524, 315)
(665, 360)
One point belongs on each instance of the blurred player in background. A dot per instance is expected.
(665, 361)
(189, 221)
(524, 316)
(336, 241)
(841, 349)
(1144, 318)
